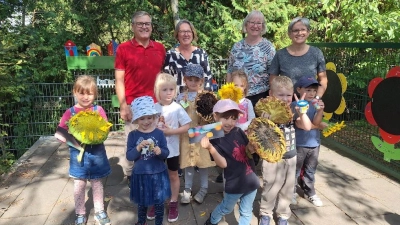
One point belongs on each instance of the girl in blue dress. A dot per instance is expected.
(147, 147)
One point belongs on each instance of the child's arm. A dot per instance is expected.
(219, 159)
(161, 150)
(181, 130)
(133, 151)
(250, 116)
(302, 121)
(318, 116)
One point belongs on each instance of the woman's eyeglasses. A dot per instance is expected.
(255, 23)
(298, 31)
(185, 32)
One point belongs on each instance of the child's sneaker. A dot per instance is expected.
(315, 200)
(294, 199)
(199, 197)
(173, 212)
(151, 215)
(102, 218)
(282, 221)
(186, 196)
(80, 219)
(264, 220)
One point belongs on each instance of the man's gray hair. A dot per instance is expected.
(139, 14)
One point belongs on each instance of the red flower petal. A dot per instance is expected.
(394, 72)
(372, 85)
(389, 138)
(368, 114)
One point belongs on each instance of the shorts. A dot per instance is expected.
(173, 163)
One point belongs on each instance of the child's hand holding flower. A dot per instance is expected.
(142, 144)
(157, 150)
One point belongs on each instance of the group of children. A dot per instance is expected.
(159, 148)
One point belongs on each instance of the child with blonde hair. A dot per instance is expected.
(279, 177)
(192, 155)
(94, 163)
(147, 147)
(175, 122)
(239, 78)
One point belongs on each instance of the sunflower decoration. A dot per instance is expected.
(383, 111)
(266, 139)
(89, 127)
(333, 96)
(279, 112)
(332, 128)
(230, 91)
(204, 104)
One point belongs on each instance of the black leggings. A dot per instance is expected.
(158, 210)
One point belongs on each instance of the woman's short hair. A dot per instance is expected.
(85, 84)
(304, 21)
(178, 26)
(161, 79)
(252, 14)
(139, 14)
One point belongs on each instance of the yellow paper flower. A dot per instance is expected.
(332, 128)
(230, 91)
(89, 127)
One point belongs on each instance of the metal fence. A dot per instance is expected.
(358, 62)
(39, 115)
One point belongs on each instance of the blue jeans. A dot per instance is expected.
(229, 202)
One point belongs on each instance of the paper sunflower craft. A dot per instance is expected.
(89, 127)
(332, 128)
(266, 139)
(333, 96)
(204, 104)
(384, 108)
(230, 91)
(279, 111)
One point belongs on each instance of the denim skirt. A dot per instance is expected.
(94, 164)
(150, 189)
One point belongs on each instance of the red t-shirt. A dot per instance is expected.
(141, 66)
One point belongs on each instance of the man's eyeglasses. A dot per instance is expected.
(298, 31)
(255, 23)
(141, 24)
(185, 32)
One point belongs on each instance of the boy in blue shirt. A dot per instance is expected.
(308, 142)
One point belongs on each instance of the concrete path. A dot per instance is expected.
(39, 192)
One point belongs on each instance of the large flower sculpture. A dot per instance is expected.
(384, 108)
(333, 96)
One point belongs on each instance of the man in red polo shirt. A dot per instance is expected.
(137, 63)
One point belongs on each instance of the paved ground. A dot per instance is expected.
(39, 191)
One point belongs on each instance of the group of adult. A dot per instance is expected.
(139, 60)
